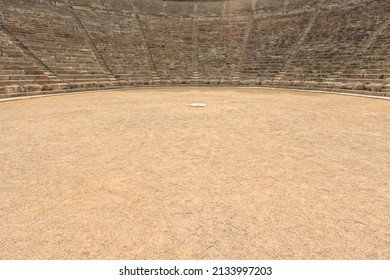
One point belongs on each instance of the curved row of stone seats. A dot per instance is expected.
(108, 5)
(336, 35)
(220, 40)
(270, 43)
(217, 8)
(283, 6)
(238, 7)
(241, 7)
(88, 3)
(173, 8)
(224, 8)
(171, 46)
(261, 5)
(149, 7)
(178, 8)
(119, 40)
(118, 5)
(51, 34)
(210, 8)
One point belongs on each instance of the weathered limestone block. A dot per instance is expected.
(93, 84)
(296, 83)
(358, 86)
(244, 82)
(11, 89)
(347, 86)
(165, 82)
(204, 81)
(76, 85)
(310, 84)
(32, 88)
(224, 82)
(105, 84)
(88, 85)
(252, 82)
(63, 86)
(214, 81)
(338, 85)
(326, 84)
(285, 83)
(177, 81)
(373, 87)
(139, 83)
(48, 87)
(125, 83)
(266, 82)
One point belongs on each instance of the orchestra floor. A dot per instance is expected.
(139, 174)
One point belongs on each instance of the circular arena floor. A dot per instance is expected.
(139, 174)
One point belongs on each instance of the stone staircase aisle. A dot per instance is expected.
(294, 51)
(152, 66)
(97, 54)
(25, 50)
(195, 53)
(237, 72)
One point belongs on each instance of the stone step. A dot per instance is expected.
(386, 88)
(195, 78)
(155, 77)
(26, 82)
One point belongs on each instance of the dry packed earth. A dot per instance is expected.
(138, 174)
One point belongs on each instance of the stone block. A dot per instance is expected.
(177, 81)
(347, 86)
(285, 83)
(105, 84)
(214, 82)
(11, 89)
(296, 83)
(310, 84)
(63, 86)
(373, 87)
(32, 88)
(125, 83)
(266, 82)
(337, 85)
(358, 86)
(165, 82)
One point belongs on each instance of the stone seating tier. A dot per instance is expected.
(219, 47)
(334, 44)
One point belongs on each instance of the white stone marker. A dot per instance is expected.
(198, 105)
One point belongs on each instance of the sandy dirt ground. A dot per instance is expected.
(138, 174)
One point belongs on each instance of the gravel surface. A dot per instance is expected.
(139, 174)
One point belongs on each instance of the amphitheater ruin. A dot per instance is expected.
(284, 153)
(49, 46)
